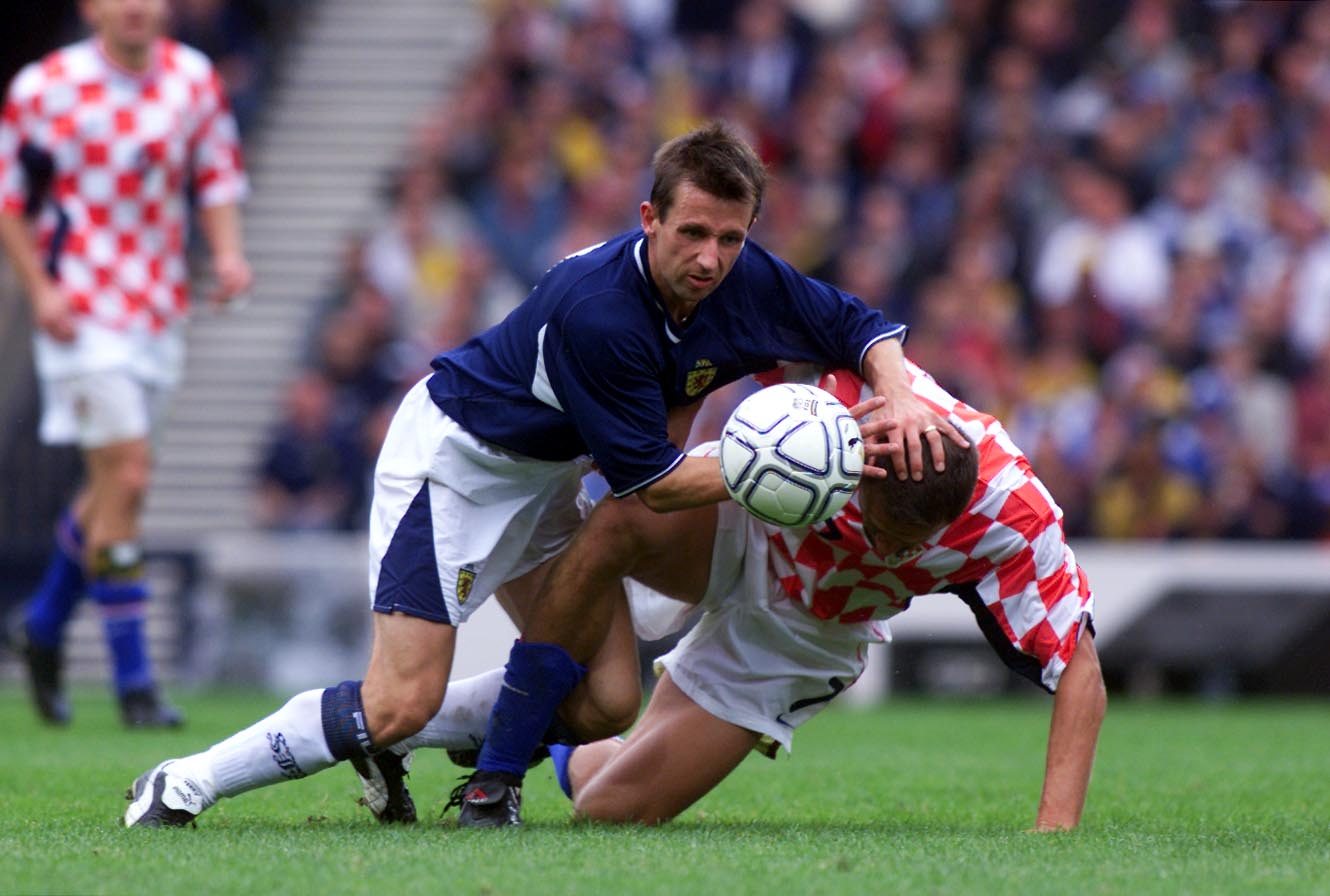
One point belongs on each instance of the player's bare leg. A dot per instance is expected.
(118, 477)
(407, 676)
(677, 754)
(404, 688)
(569, 622)
(603, 699)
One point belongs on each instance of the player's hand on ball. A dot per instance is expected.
(873, 428)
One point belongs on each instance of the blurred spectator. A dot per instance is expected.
(1142, 497)
(1109, 222)
(1102, 272)
(311, 476)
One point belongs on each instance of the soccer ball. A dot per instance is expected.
(791, 455)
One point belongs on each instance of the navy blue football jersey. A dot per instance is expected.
(591, 362)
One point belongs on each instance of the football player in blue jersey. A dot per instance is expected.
(478, 490)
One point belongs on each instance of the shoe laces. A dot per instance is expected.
(458, 795)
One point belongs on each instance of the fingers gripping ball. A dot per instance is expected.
(791, 455)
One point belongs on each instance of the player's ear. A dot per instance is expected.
(648, 213)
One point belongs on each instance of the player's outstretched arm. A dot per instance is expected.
(911, 419)
(695, 482)
(1078, 711)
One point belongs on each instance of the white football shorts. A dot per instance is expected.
(454, 518)
(151, 357)
(755, 658)
(93, 410)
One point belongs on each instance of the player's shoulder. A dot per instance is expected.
(604, 256)
(756, 260)
(594, 280)
(70, 63)
(184, 60)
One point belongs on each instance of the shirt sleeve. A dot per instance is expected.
(606, 377)
(219, 175)
(838, 327)
(1038, 602)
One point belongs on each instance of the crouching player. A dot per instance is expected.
(786, 614)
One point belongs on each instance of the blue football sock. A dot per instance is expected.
(537, 679)
(53, 603)
(118, 586)
(559, 755)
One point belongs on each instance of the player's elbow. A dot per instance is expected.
(668, 494)
(657, 500)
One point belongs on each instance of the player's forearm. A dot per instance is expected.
(696, 482)
(884, 368)
(1078, 712)
(16, 237)
(221, 228)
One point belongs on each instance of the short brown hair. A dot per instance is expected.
(712, 158)
(937, 499)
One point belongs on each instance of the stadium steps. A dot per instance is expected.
(353, 83)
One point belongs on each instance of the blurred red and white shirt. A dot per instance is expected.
(105, 158)
(1006, 555)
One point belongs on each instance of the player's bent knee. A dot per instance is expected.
(132, 476)
(617, 717)
(607, 713)
(400, 713)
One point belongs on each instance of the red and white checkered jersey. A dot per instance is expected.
(103, 156)
(1007, 550)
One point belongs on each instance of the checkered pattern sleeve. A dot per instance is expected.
(1037, 597)
(215, 155)
(14, 186)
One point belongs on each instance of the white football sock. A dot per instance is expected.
(288, 744)
(461, 722)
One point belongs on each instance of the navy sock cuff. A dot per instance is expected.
(344, 726)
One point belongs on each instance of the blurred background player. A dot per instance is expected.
(787, 614)
(100, 143)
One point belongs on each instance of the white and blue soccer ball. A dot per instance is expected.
(791, 455)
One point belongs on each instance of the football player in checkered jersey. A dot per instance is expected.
(101, 144)
(785, 615)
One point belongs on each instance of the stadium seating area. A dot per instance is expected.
(1106, 222)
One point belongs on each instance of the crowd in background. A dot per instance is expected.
(1106, 222)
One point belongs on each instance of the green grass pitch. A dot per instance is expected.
(916, 797)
